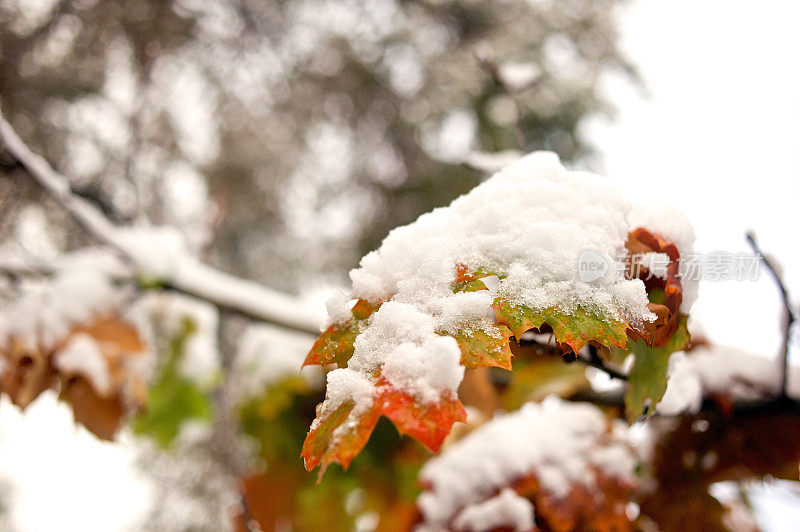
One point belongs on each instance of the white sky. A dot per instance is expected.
(719, 137)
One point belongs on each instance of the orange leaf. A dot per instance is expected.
(269, 498)
(28, 372)
(428, 423)
(339, 435)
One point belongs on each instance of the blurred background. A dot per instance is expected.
(285, 139)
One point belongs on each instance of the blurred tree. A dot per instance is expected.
(303, 131)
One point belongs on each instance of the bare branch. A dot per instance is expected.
(788, 313)
(190, 276)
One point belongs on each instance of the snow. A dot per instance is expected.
(82, 356)
(504, 510)
(46, 310)
(266, 354)
(720, 369)
(78, 478)
(489, 161)
(528, 223)
(156, 251)
(559, 442)
(412, 367)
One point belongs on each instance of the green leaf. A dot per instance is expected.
(647, 380)
(481, 348)
(572, 330)
(172, 399)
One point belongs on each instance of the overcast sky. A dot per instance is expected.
(718, 137)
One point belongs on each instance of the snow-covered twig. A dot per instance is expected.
(789, 316)
(188, 275)
(57, 187)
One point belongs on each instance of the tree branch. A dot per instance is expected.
(788, 313)
(189, 275)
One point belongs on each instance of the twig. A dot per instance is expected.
(788, 313)
(593, 360)
(189, 275)
(596, 362)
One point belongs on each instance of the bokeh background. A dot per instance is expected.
(285, 139)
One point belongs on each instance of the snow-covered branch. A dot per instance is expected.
(184, 273)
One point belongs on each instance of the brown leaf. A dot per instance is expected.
(641, 241)
(589, 509)
(28, 372)
(103, 416)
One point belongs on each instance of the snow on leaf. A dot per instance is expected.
(572, 330)
(467, 281)
(480, 348)
(566, 458)
(647, 380)
(93, 366)
(524, 228)
(335, 344)
(582, 508)
(335, 438)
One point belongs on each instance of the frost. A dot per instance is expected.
(82, 356)
(557, 441)
(504, 510)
